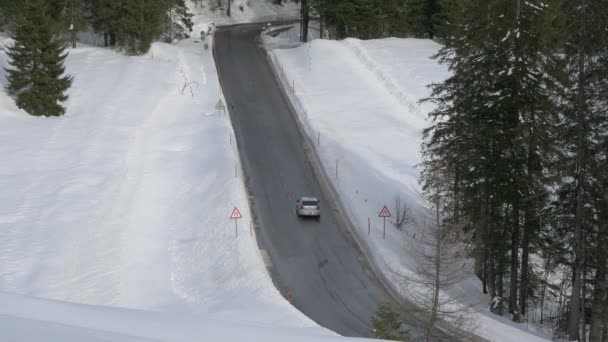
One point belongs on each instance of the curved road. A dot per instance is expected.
(328, 276)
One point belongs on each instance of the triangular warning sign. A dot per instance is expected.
(236, 214)
(384, 212)
(220, 105)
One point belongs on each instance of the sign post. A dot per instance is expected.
(236, 215)
(384, 213)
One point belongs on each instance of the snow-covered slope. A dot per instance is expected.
(114, 218)
(358, 101)
(25, 319)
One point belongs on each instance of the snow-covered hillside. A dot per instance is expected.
(358, 102)
(114, 218)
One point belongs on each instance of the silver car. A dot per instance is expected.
(308, 206)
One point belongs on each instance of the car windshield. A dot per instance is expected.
(310, 203)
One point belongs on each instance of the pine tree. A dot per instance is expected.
(387, 324)
(422, 16)
(36, 79)
(179, 21)
(139, 24)
(104, 19)
(494, 130)
(68, 17)
(131, 25)
(584, 137)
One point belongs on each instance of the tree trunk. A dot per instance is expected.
(597, 308)
(321, 35)
(305, 21)
(605, 323)
(499, 236)
(228, 7)
(605, 230)
(480, 240)
(73, 37)
(575, 302)
(486, 271)
(523, 285)
(599, 312)
(484, 245)
(112, 39)
(574, 316)
(514, 262)
(437, 284)
(543, 293)
(493, 267)
(531, 215)
(583, 329)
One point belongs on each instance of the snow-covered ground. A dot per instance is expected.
(114, 218)
(358, 102)
(245, 11)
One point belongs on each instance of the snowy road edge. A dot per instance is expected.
(244, 178)
(241, 172)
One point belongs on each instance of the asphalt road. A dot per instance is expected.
(319, 262)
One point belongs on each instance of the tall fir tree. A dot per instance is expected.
(178, 21)
(104, 17)
(584, 137)
(36, 79)
(68, 17)
(133, 25)
(493, 130)
(422, 16)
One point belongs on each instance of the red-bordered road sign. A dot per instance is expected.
(384, 212)
(236, 214)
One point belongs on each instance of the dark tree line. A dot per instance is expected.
(41, 29)
(521, 129)
(367, 19)
(128, 24)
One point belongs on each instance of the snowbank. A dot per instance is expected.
(30, 319)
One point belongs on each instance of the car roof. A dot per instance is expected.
(312, 199)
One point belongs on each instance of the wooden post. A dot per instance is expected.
(384, 229)
(336, 168)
